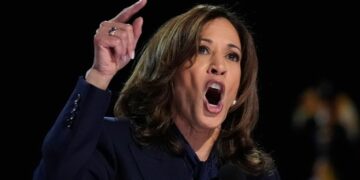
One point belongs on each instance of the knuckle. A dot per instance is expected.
(128, 27)
(103, 23)
(97, 39)
(123, 35)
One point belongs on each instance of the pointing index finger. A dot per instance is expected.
(128, 12)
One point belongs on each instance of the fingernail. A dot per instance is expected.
(132, 55)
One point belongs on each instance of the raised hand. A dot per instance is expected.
(114, 45)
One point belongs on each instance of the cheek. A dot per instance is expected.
(182, 84)
(187, 81)
(235, 81)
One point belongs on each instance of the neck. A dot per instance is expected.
(200, 140)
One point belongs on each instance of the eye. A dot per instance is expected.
(203, 49)
(233, 57)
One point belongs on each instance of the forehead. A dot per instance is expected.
(221, 28)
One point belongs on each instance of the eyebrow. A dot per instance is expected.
(229, 45)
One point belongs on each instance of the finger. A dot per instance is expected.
(122, 60)
(130, 40)
(122, 31)
(125, 33)
(121, 44)
(121, 28)
(128, 12)
(111, 42)
(120, 52)
(137, 28)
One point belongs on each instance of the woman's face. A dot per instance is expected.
(205, 90)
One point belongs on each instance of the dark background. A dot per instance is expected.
(299, 44)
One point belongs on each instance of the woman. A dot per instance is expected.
(186, 112)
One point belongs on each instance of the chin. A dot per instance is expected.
(210, 122)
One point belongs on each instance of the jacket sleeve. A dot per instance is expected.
(69, 150)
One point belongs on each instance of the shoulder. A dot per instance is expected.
(117, 126)
(117, 130)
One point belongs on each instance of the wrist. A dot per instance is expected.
(97, 79)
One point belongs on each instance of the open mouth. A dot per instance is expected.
(213, 96)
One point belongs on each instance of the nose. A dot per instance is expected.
(217, 66)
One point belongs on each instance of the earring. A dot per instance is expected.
(234, 102)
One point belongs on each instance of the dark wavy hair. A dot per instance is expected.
(147, 96)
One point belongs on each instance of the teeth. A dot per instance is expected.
(215, 86)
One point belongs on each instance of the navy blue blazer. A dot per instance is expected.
(82, 144)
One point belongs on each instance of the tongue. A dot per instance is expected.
(214, 109)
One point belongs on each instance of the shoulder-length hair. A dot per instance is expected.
(147, 96)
